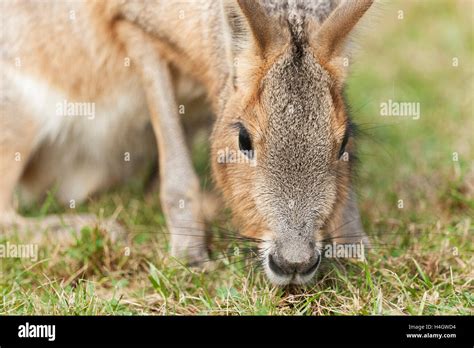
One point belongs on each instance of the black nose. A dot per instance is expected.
(280, 266)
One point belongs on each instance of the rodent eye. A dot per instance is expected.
(245, 142)
(343, 144)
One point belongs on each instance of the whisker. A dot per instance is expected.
(206, 231)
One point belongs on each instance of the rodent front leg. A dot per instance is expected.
(179, 185)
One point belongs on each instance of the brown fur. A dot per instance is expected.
(273, 67)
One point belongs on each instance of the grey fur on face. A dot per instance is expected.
(299, 143)
(319, 9)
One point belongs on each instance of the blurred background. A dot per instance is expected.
(422, 52)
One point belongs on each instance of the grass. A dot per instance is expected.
(422, 256)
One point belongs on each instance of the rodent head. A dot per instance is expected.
(282, 143)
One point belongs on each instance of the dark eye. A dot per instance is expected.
(343, 144)
(245, 142)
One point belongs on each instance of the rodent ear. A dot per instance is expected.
(249, 23)
(329, 39)
(252, 33)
